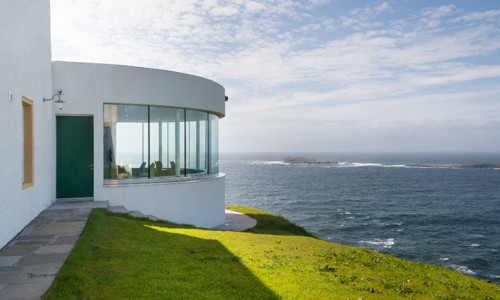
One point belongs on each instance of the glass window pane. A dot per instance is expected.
(167, 141)
(214, 143)
(196, 142)
(125, 141)
(146, 141)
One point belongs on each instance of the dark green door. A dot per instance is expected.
(75, 157)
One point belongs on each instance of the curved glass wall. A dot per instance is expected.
(152, 142)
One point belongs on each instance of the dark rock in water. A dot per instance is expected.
(495, 165)
(304, 160)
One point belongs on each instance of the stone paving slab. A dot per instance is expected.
(32, 242)
(31, 274)
(8, 251)
(78, 205)
(29, 229)
(59, 228)
(6, 261)
(40, 259)
(54, 249)
(31, 237)
(70, 220)
(7, 276)
(67, 239)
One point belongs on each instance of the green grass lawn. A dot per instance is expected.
(121, 257)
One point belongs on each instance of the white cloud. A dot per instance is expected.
(225, 11)
(438, 12)
(254, 7)
(297, 58)
(479, 15)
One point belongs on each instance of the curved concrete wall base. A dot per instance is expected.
(200, 203)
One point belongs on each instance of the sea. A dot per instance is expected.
(445, 216)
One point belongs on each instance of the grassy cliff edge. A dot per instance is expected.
(118, 256)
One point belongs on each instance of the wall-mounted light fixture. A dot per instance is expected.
(58, 101)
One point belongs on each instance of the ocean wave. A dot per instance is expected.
(346, 164)
(393, 224)
(387, 243)
(354, 164)
(462, 269)
(268, 162)
(339, 165)
(475, 245)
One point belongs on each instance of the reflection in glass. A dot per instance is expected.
(125, 141)
(214, 144)
(167, 141)
(197, 142)
(150, 142)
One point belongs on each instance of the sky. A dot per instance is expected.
(317, 75)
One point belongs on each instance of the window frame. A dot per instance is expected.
(28, 170)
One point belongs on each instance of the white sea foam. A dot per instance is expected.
(347, 212)
(380, 242)
(346, 164)
(268, 162)
(393, 224)
(475, 245)
(444, 258)
(354, 164)
(462, 269)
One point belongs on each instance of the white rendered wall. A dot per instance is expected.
(25, 70)
(86, 87)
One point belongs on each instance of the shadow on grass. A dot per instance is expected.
(268, 223)
(120, 257)
(209, 270)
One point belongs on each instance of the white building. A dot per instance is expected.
(140, 138)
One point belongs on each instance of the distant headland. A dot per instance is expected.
(310, 161)
(495, 165)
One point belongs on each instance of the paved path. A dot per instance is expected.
(30, 261)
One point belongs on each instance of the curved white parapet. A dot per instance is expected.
(197, 200)
(86, 85)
